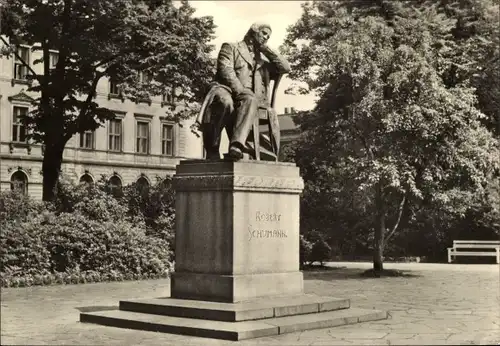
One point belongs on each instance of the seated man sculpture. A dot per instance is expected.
(240, 90)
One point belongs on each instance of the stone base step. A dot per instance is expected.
(230, 330)
(233, 312)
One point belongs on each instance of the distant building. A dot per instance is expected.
(138, 145)
(289, 130)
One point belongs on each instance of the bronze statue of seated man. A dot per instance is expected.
(240, 91)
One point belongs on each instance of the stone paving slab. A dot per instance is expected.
(443, 304)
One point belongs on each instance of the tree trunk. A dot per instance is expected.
(378, 248)
(378, 242)
(51, 167)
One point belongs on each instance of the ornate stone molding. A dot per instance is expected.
(13, 145)
(238, 183)
(21, 97)
(19, 168)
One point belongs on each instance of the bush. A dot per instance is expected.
(320, 251)
(163, 228)
(73, 243)
(72, 277)
(305, 250)
(156, 206)
(22, 249)
(69, 194)
(152, 202)
(87, 235)
(314, 248)
(76, 242)
(101, 207)
(16, 207)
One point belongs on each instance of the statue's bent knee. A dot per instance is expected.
(226, 101)
(247, 98)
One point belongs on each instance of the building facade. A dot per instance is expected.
(137, 146)
(289, 130)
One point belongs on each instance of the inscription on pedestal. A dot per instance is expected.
(270, 217)
(266, 226)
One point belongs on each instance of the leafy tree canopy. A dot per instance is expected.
(114, 39)
(388, 121)
(143, 46)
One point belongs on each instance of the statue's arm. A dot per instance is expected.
(278, 62)
(225, 69)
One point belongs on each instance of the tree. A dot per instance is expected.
(484, 46)
(331, 204)
(475, 56)
(119, 40)
(386, 122)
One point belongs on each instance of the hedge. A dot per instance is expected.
(68, 278)
(86, 235)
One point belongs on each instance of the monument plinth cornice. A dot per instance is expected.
(232, 182)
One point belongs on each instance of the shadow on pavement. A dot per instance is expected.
(344, 273)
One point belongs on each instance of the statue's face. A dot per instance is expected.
(262, 35)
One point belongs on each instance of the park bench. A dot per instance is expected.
(475, 248)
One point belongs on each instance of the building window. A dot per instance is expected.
(167, 139)
(113, 88)
(86, 179)
(142, 185)
(115, 185)
(87, 139)
(21, 70)
(18, 128)
(142, 137)
(115, 135)
(168, 96)
(145, 77)
(19, 182)
(53, 59)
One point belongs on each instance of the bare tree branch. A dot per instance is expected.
(111, 58)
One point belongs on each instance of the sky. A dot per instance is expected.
(233, 19)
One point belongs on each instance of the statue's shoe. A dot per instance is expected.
(235, 154)
(213, 156)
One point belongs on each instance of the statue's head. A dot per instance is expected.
(258, 33)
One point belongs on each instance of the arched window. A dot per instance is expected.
(142, 184)
(86, 179)
(166, 182)
(19, 182)
(115, 184)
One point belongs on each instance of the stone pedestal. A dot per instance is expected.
(237, 260)
(237, 230)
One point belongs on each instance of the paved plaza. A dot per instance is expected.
(437, 304)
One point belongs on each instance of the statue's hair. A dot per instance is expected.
(256, 27)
